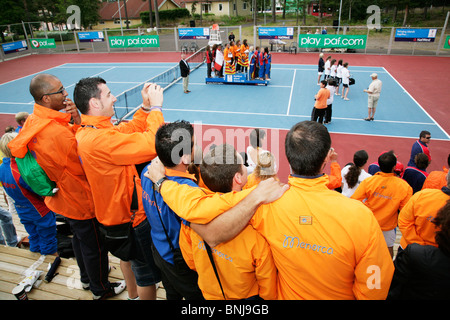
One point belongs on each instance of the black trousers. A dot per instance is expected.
(91, 255)
(178, 282)
(328, 113)
(317, 114)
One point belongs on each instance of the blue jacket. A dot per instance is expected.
(25, 200)
(171, 221)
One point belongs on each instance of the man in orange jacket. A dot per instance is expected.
(415, 220)
(308, 227)
(385, 194)
(109, 154)
(245, 265)
(50, 137)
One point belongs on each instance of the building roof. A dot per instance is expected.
(110, 10)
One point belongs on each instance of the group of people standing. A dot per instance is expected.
(238, 58)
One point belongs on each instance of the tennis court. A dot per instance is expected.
(287, 100)
(408, 103)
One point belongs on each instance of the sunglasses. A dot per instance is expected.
(60, 91)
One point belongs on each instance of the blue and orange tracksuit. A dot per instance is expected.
(39, 221)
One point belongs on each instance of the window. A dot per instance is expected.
(206, 7)
(244, 5)
(220, 7)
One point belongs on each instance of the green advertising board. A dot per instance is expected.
(447, 43)
(332, 41)
(134, 41)
(43, 43)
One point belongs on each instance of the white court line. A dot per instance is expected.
(437, 124)
(290, 96)
(32, 74)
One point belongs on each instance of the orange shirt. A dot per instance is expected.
(309, 226)
(109, 154)
(436, 179)
(48, 134)
(321, 98)
(228, 54)
(385, 195)
(335, 177)
(415, 219)
(245, 265)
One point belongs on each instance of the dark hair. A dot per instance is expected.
(172, 141)
(421, 160)
(359, 159)
(340, 62)
(324, 82)
(256, 137)
(424, 133)
(219, 166)
(307, 145)
(448, 160)
(442, 221)
(387, 161)
(86, 89)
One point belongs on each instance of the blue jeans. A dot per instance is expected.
(7, 226)
(144, 268)
(41, 233)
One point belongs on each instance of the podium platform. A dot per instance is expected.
(238, 79)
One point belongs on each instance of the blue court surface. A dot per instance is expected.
(288, 99)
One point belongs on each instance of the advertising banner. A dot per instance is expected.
(93, 36)
(193, 33)
(14, 46)
(447, 43)
(332, 41)
(415, 35)
(276, 33)
(134, 41)
(43, 43)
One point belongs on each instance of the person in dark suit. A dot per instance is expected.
(185, 70)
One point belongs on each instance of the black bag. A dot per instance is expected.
(119, 239)
(351, 81)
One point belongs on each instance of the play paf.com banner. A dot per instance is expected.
(332, 41)
(134, 41)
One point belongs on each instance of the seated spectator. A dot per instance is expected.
(257, 141)
(416, 175)
(437, 179)
(374, 167)
(385, 194)
(421, 271)
(353, 173)
(420, 146)
(21, 117)
(39, 221)
(265, 169)
(415, 220)
(245, 266)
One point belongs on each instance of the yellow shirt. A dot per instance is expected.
(415, 219)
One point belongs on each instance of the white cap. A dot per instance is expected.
(374, 75)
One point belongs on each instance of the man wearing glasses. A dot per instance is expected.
(50, 137)
(420, 146)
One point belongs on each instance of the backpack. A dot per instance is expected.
(32, 173)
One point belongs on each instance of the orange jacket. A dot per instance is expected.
(109, 154)
(245, 265)
(385, 195)
(226, 54)
(415, 219)
(436, 179)
(335, 177)
(330, 230)
(48, 134)
(321, 98)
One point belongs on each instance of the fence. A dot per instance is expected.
(378, 41)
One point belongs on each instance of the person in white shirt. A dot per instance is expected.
(353, 173)
(332, 82)
(373, 92)
(345, 81)
(327, 68)
(333, 68)
(339, 76)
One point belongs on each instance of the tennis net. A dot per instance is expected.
(128, 102)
